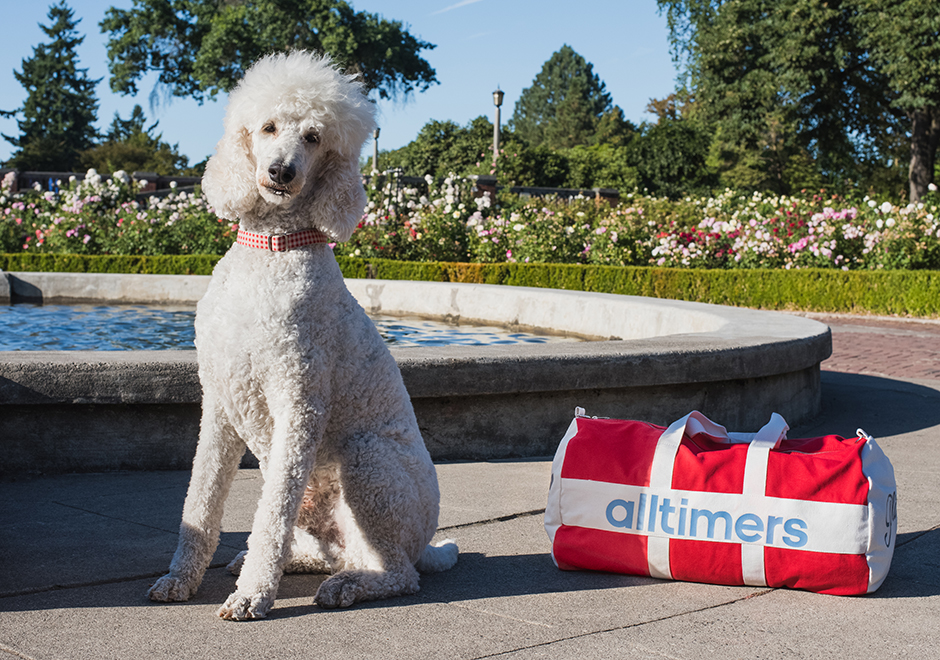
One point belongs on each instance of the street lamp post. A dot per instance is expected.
(375, 150)
(497, 101)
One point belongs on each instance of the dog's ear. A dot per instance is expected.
(338, 197)
(228, 182)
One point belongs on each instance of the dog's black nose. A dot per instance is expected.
(281, 173)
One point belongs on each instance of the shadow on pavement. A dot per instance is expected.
(881, 406)
(476, 577)
(915, 569)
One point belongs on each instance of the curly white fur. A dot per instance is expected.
(292, 367)
(300, 96)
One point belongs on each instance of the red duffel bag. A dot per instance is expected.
(694, 502)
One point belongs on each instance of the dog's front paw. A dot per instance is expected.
(170, 588)
(239, 607)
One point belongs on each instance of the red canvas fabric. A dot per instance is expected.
(600, 455)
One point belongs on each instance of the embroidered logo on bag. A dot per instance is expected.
(891, 515)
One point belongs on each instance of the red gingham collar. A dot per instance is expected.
(281, 242)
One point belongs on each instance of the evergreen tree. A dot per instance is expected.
(60, 108)
(122, 129)
(564, 104)
(131, 147)
(613, 129)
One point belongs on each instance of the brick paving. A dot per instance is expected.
(895, 348)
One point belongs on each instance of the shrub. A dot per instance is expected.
(97, 216)
(454, 223)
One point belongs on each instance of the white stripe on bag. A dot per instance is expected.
(755, 486)
(717, 517)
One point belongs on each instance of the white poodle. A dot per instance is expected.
(292, 367)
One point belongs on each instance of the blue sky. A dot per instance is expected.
(481, 44)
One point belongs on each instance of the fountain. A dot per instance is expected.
(652, 359)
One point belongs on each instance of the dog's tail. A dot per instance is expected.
(439, 557)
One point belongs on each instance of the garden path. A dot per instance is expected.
(883, 346)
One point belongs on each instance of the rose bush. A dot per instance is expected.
(454, 222)
(103, 216)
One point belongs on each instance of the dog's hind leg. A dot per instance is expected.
(386, 523)
(306, 556)
(394, 575)
(217, 457)
(317, 538)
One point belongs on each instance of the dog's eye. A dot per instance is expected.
(311, 138)
(269, 128)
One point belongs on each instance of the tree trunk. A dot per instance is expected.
(925, 136)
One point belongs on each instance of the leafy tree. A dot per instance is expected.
(203, 47)
(903, 38)
(60, 107)
(667, 108)
(670, 157)
(564, 104)
(131, 147)
(442, 147)
(805, 89)
(779, 81)
(601, 166)
(522, 165)
(677, 105)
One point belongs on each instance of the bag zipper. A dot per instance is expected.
(579, 413)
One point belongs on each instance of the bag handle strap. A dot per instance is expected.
(755, 486)
(664, 458)
(695, 422)
(755, 477)
(758, 453)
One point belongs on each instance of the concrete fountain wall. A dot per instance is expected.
(656, 360)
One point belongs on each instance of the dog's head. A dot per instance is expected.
(294, 128)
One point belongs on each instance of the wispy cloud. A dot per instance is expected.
(462, 3)
(479, 35)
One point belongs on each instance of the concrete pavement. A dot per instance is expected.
(77, 553)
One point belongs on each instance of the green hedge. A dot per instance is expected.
(888, 292)
(895, 292)
(201, 264)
